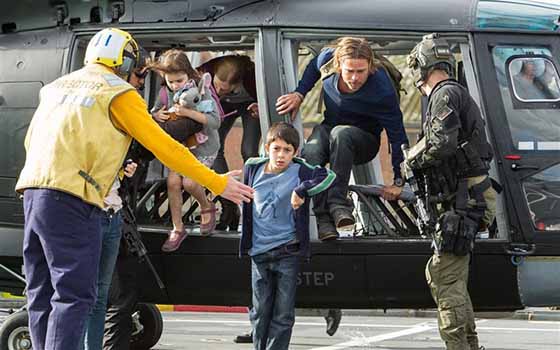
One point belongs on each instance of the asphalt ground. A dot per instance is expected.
(199, 330)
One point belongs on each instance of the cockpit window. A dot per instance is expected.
(534, 79)
(529, 86)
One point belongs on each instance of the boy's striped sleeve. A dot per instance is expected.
(321, 179)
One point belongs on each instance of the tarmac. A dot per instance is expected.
(530, 313)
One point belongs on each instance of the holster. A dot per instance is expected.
(464, 242)
(450, 224)
(459, 226)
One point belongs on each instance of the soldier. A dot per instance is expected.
(456, 144)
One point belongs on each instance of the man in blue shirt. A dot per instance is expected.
(360, 101)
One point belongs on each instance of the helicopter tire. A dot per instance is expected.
(14, 332)
(152, 322)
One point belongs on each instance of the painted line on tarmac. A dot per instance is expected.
(319, 324)
(429, 325)
(518, 329)
(545, 322)
(423, 327)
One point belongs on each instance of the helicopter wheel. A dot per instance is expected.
(147, 327)
(14, 333)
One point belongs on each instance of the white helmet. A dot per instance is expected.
(113, 48)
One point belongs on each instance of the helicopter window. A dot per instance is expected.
(542, 192)
(531, 108)
(78, 54)
(152, 203)
(534, 79)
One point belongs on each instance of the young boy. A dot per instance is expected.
(275, 232)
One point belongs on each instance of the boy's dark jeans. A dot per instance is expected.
(342, 147)
(274, 280)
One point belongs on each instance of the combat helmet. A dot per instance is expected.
(113, 48)
(432, 51)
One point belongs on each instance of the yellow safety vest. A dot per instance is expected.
(72, 144)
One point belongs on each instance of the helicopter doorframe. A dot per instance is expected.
(522, 231)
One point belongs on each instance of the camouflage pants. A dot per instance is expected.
(447, 276)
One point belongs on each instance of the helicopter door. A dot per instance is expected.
(520, 81)
(29, 61)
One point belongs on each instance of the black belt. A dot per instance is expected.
(294, 247)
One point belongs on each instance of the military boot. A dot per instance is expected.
(326, 229)
(473, 343)
(457, 346)
(333, 321)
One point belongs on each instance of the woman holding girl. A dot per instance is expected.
(177, 72)
(233, 78)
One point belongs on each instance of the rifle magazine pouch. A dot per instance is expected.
(465, 238)
(471, 156)
(449, 225)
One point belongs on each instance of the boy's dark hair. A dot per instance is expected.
(285, 132)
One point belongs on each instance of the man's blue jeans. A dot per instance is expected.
(61, 245)
(274, 280)
(111, 226)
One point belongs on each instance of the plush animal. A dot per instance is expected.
(191, 96)
(186, 130)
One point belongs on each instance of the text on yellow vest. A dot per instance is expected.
(72, 144)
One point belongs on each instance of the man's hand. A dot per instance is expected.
(254, 110)
(391, 193)
(130, 168)
(296, 200)
(235, 191)
(162, 115)
(289, 103)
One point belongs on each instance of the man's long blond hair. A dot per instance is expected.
(357, 48)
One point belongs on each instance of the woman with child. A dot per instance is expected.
(177, 72)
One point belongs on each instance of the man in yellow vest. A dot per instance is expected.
(76, 144)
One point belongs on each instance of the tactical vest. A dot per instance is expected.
(474, 153)
(72, 144)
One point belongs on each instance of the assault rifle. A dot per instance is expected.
(134, 243)
(419, 184)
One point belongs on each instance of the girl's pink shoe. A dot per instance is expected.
(208, 228)
(174, 240)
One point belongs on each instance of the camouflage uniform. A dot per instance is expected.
(452, 119)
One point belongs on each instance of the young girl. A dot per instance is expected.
(177, 71)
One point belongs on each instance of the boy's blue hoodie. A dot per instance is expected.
(313, 180)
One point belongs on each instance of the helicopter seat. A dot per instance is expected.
(394, 218)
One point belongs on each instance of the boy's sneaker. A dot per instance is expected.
(343, 218)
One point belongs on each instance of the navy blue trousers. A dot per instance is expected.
(61, 250)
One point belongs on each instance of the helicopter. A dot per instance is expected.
(379, 264)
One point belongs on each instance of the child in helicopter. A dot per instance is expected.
(177, 72)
